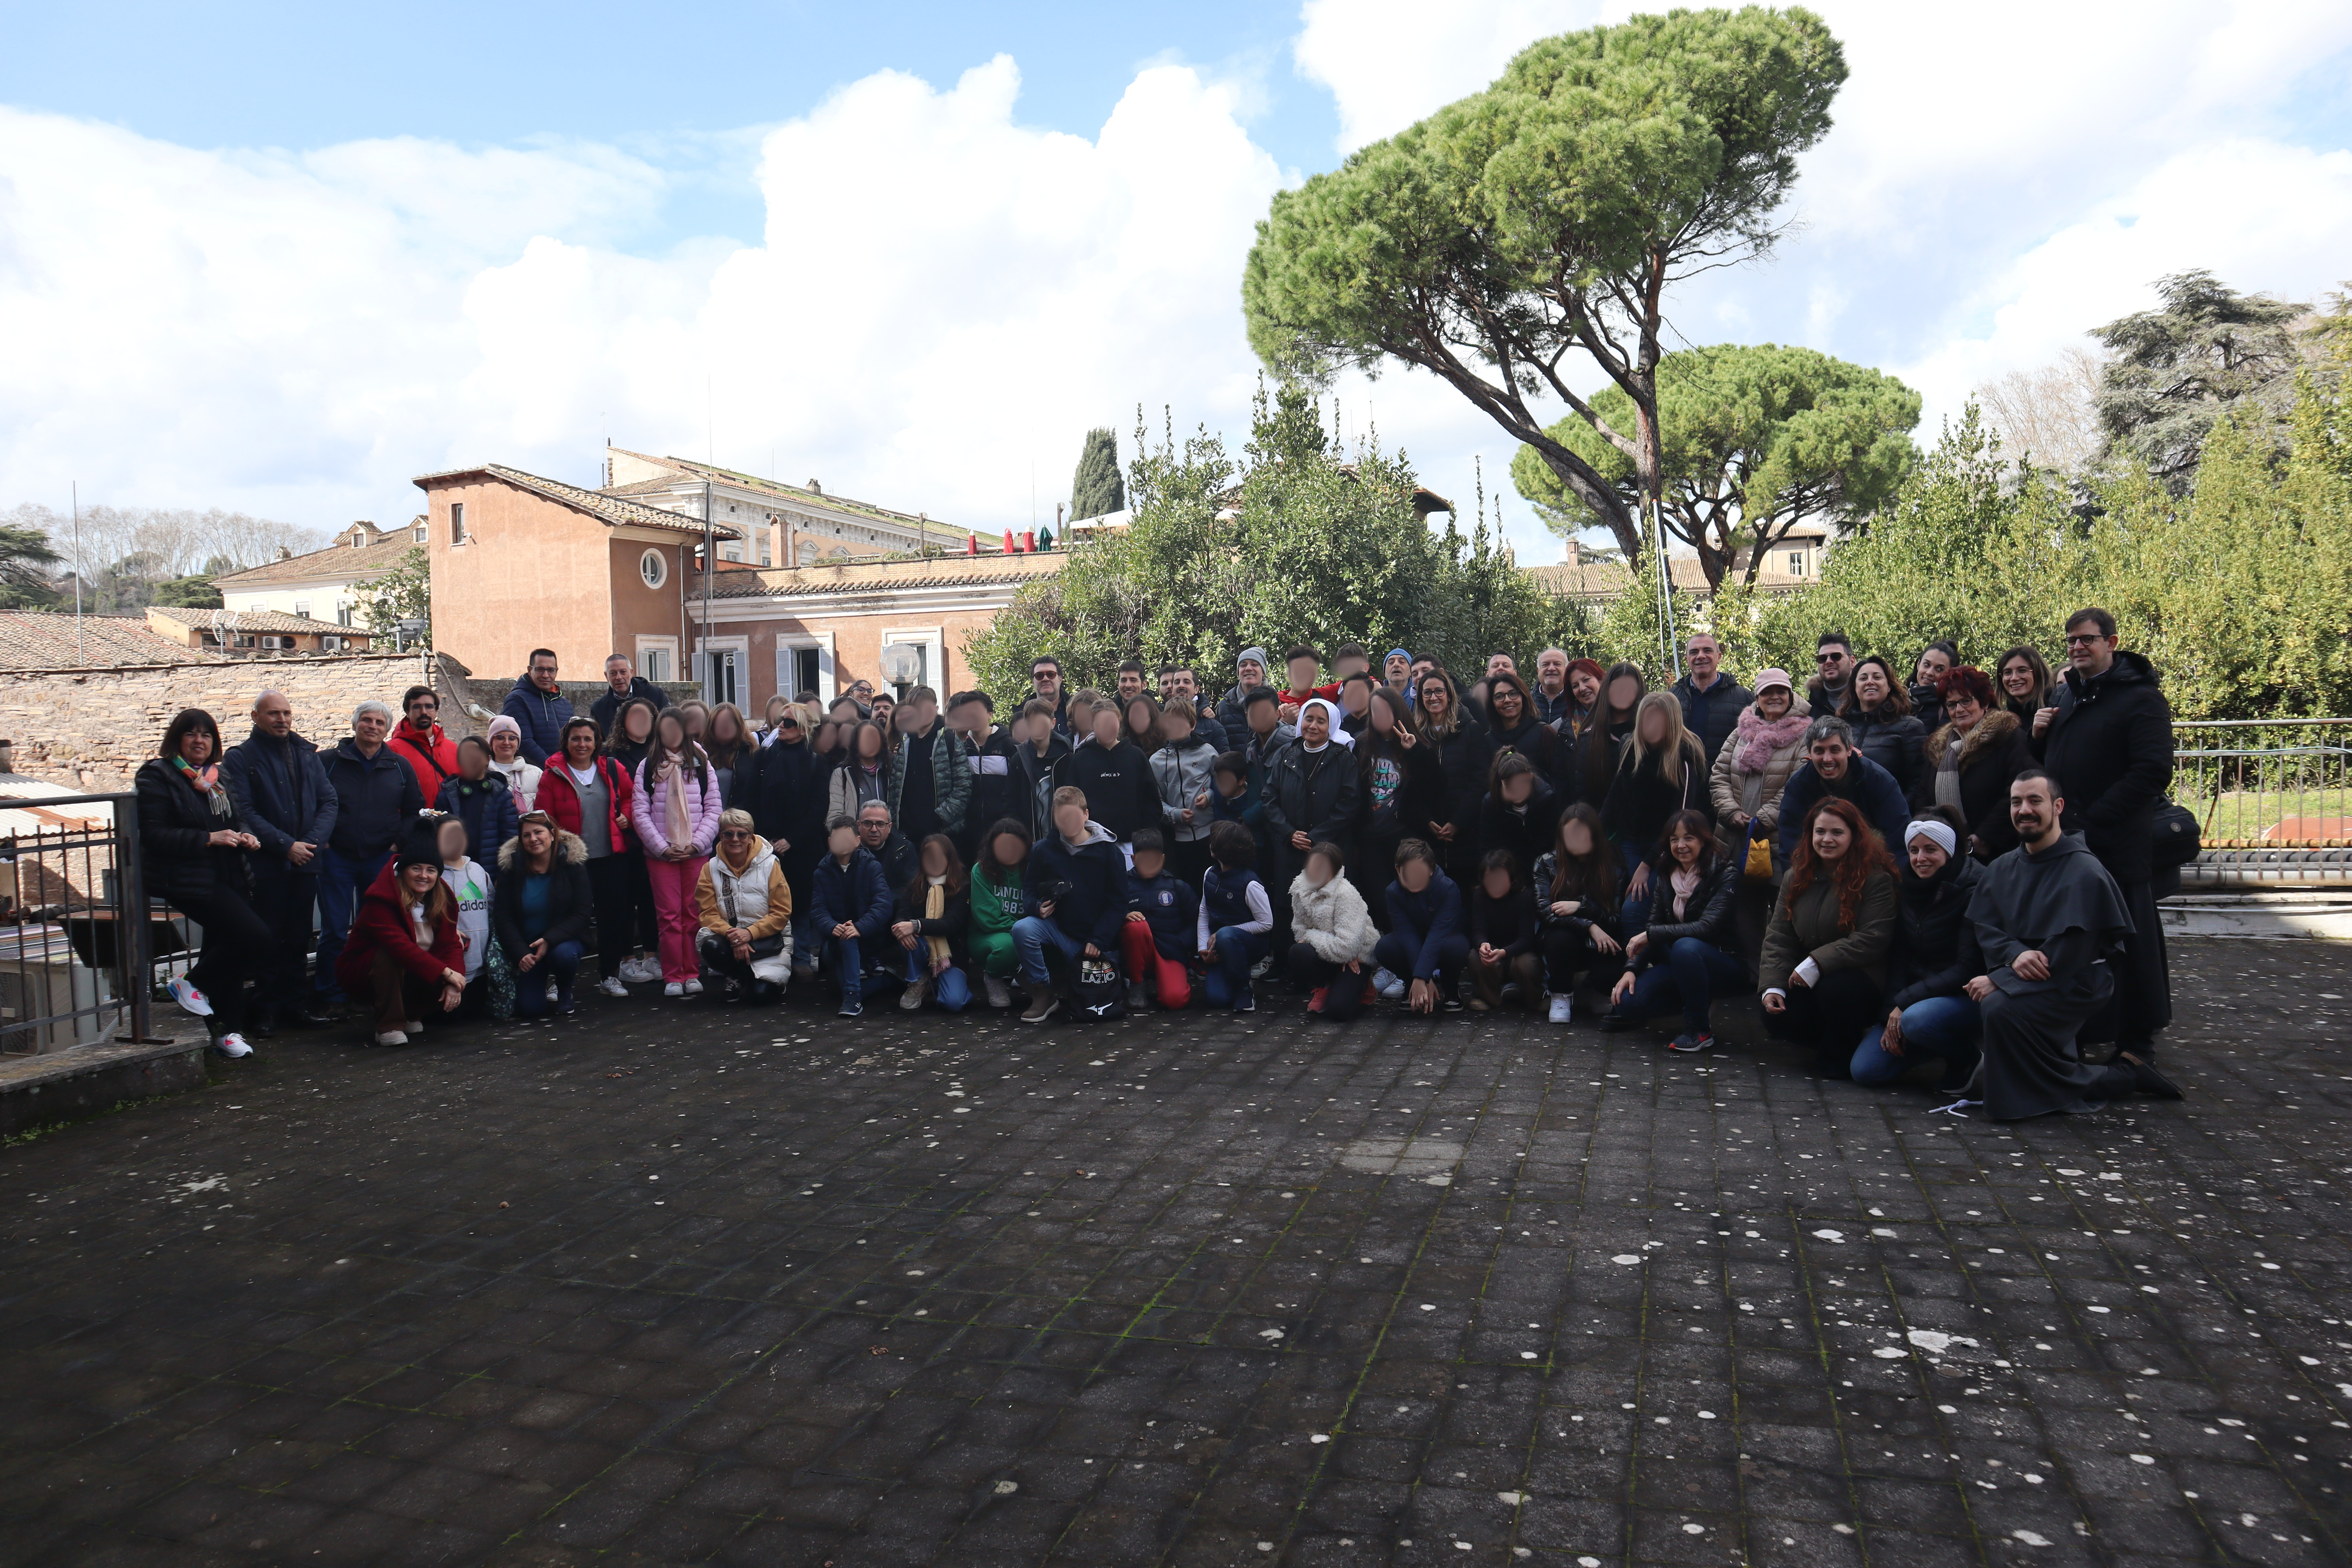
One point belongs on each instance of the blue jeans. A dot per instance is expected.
(949, 988)
(1942, 1027)
(1238, 950)
(1634, 915)
(341, 879)
(561, 965)
(1693, 973)
(1031, 933)
(849, 973)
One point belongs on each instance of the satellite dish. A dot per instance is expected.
(902, 663)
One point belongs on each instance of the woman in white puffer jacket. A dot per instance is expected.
(1332, 935)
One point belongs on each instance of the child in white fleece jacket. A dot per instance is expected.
(1332, 935)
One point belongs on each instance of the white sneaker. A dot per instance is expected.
(613, 987)
(551, 990)
(1560, 1003)
(1000, 995)
(639, 971)
(232, 1045)
(1390, 987)
(674, 989)
(392, 1038)
(693, 987)
(1262, 968)
(189, 998)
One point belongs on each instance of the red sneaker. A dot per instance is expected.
(1315, 1003)
(1371, 992)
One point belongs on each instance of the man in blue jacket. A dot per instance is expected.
(1833, 767)
(540, 709)
(1077, 885)
(376, 795)
(852, 905)
(283, 797)
(1428, 943)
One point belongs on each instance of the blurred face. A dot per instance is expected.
(1685, 847)
(1139, 719)
(420, 878)
(1519, 787)
(1963, 710)
(196, 747)
(2033, 810)
(1585, 686)
(1504, 699)
(506, 745)
(844, 710)
(1835, 662)
(1262, 717)
(273, 715)
(726, 729)
(1315, 725)
(1497, 883)
(841, 841)
(1009, 850)
(1654, 727)
(697, 719)
(1107, 726)
(873, 825)
(1927, 856)
(472, 763)
(1070, 821)
(1413, 874)
(617, 674)
(2016, 679)
(535, 838)
(1576, 837)
(1703, 657)
(1320, 871)
(1932, 666)
(580, 746)
(869, 744)
(1148, 863)
(1355, 695)
(1383, 719)
(639, 724)
(1870, 684)
(1832, 837)
(1772, 702)
(672, 728)
(450, 837)
(1623, 692)
(1302, 673)
(934, 860)
(1176, 728)
(1229, 783)
(1551, 672)
(370, 727)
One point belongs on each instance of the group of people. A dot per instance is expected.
(1940, 865)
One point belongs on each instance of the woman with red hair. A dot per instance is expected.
(1822, 973)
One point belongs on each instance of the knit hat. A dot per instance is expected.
(1768, 678)
(503, 724)
(420, 843)
(1252, 656)
(1403, 653)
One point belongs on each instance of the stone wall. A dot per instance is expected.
(92, 728)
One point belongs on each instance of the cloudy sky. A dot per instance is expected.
(259, 258)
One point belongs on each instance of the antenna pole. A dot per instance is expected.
(80, 635)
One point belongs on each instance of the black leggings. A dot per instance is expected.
(613, 882)
(1567, 952)
(1830, 1015)
(1311, 970)
(238, 946)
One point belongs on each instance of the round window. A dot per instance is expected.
(654, 567)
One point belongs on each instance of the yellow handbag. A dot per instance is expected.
(1759, 856)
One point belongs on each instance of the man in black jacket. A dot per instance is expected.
(621, 683)
(2108, 743)
(376, 795)
(1121, 794)
(282, 797)
(1046, 686)
(783, 788)
(878, 836)
(1711, 699)
(988, 753)
(1038, 749)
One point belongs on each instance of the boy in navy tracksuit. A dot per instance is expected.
(852, 907)
(1235, 918)
(1158, 941)
(1428, 944)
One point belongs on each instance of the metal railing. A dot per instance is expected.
(2266, 783)
(76, 933)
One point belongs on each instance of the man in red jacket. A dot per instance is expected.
(420, 742)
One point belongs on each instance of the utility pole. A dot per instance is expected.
(80, 635)
(709, 565)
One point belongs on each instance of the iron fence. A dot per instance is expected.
(78, 937)
(2266, 783)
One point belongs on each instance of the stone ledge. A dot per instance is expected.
(62, 1085)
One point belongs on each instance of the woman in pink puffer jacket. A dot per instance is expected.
(676, 812)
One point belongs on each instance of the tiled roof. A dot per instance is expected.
(800, 494)
(273, 621)
(884, 576)
(44, 639)
(339, 562)
(615, 511)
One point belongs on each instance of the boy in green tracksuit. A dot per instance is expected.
(1000, 896)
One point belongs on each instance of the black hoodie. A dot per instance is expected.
(2109, 746)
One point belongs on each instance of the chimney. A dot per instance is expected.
(1028, 542)
(285, 552)
(1575, 554)
(7, 756)
(815, 489)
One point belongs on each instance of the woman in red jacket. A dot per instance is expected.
(404, 950)
(589, 793)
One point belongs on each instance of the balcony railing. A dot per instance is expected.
(76, 933)
(2266, 783)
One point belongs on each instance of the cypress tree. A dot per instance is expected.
(1096, 488)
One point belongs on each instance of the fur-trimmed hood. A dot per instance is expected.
(1990, 730)
(569, 851)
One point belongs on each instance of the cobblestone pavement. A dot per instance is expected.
(677, 1283)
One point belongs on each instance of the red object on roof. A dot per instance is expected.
(1028, 542)
(972, 544)
(1009, 546)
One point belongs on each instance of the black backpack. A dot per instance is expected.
(2173, 837)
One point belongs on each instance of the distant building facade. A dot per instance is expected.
(323, 584)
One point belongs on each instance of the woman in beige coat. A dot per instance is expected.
(1745, 786)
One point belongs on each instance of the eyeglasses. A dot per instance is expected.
(1831, 657)
(2073, 638)
(732, 833)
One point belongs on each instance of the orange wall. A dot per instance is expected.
(638, 610)
(533, 574)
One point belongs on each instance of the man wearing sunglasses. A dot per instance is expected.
(1833, 674)
(2108, 743)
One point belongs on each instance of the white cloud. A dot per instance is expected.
(1389, 62)
(941, 295)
